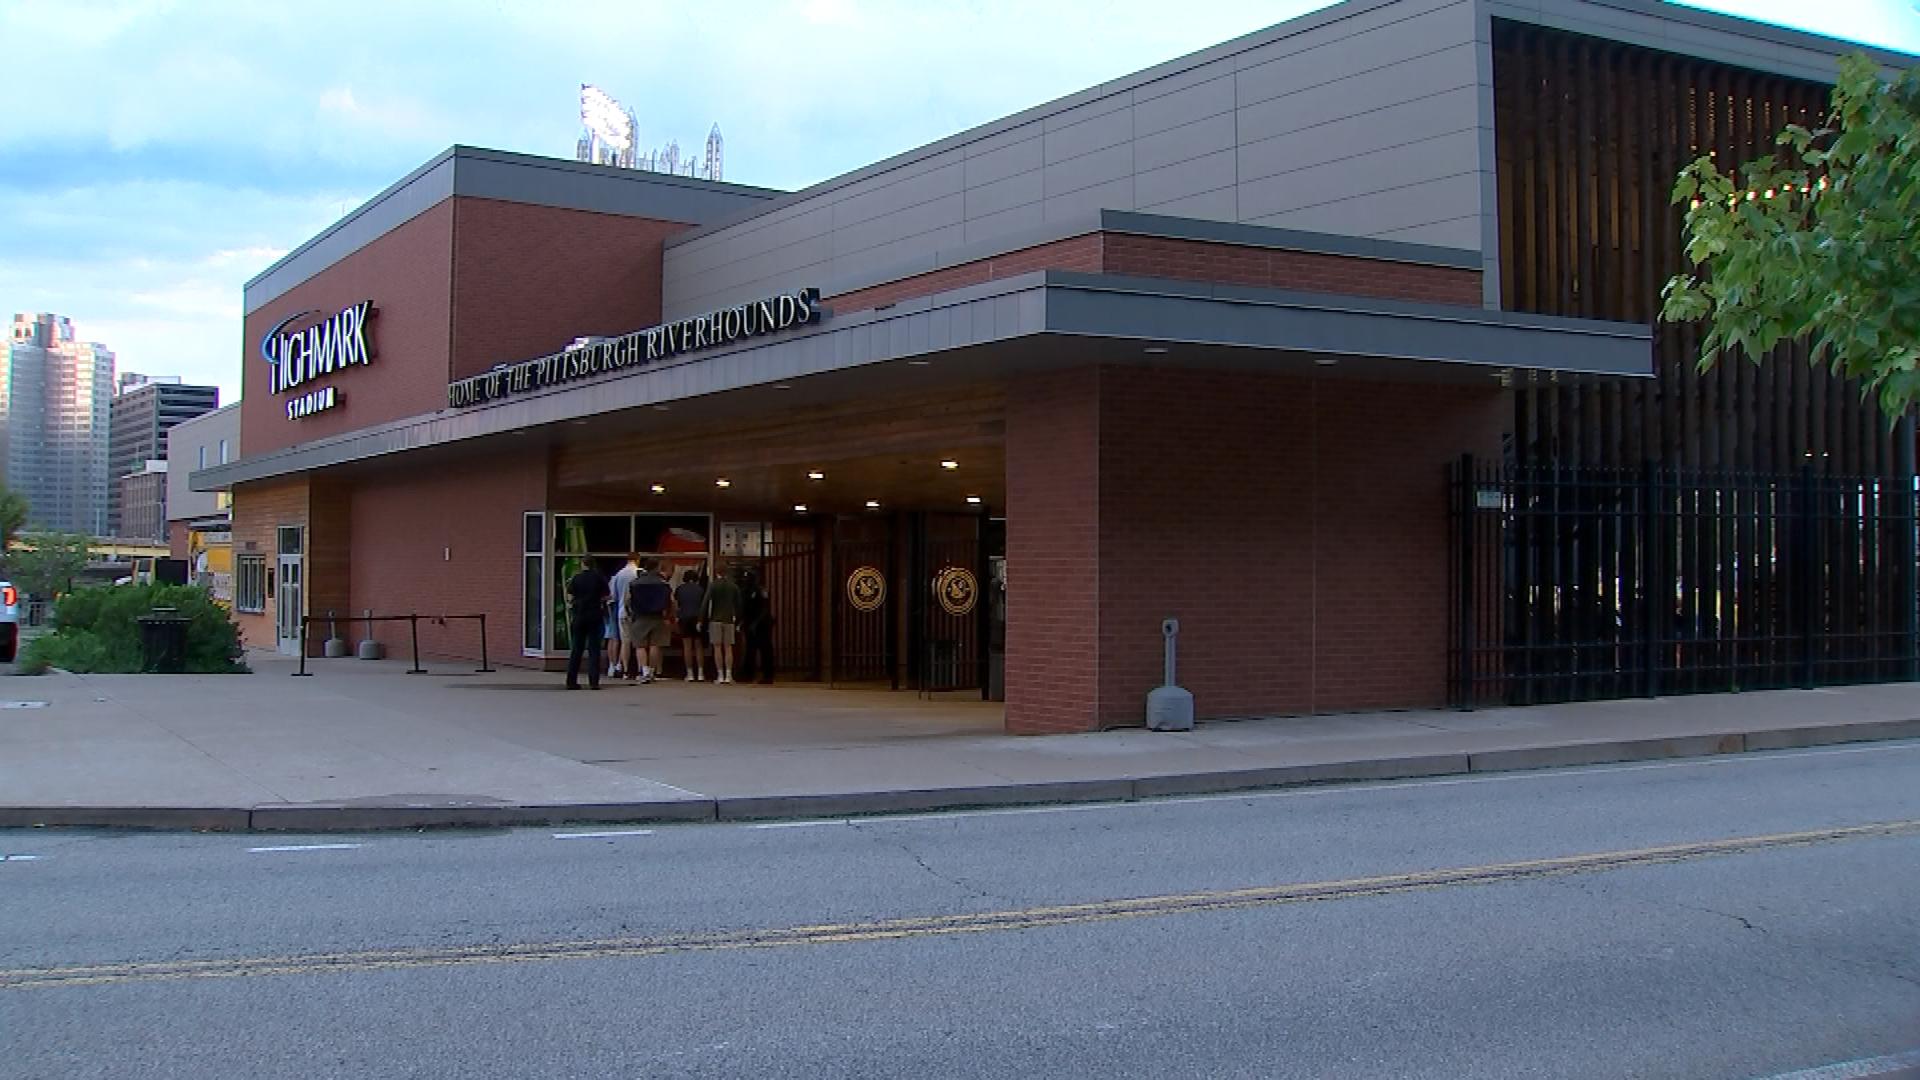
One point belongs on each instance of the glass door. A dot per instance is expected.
(287, 606)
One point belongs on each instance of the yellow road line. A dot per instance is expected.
(923, 926)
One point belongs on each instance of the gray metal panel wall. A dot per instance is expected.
(1361, 120)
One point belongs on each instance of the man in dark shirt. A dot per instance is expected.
(587, 594)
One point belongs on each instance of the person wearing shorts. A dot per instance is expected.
(722, 612)
(688, 601)
(645, 628)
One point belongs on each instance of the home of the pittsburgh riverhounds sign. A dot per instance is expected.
(640, 348)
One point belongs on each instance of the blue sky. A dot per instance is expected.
(154, 155)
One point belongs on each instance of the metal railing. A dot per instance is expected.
(413, 629)
(1585, 583)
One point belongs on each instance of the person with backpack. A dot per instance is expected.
(645, 630)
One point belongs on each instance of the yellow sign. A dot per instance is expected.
(866, 589)
(957, 590)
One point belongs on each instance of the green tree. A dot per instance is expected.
(50, 564)
(13, 517)
(1817, 242)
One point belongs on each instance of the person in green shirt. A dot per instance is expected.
(721, 612)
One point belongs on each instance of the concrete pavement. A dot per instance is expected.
(364, 745)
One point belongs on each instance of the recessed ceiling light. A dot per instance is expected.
(949, 463)
(918, 363)
(659, 489)
(1155, 350)
(782, 386)
(1325, 361)
(873, 504)
(723, 482)
(974, 499)
(816, 474)
(579, 423)
(799, 508)
(661, 408)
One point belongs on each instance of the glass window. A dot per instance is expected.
(532, 605)
(536, 533)
(289, 539)
(203, 457)
(223, 451)
(580, 534)
(250, 583)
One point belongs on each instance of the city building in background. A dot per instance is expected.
(611, 136)
(147, 407)
(200, 523)
(142, 500)
(56, 393)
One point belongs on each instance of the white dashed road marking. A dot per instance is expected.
(594, 835)
(306, 847)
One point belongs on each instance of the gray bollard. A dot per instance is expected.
(1169, 708)
(336, 646)
(369, 648)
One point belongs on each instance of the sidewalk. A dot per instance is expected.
(364, 745)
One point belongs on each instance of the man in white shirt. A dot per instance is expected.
(623, 657)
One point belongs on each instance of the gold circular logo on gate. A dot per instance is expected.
(957, 590)
(866, 588)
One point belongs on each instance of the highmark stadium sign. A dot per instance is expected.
(640, 348)
(335, 343)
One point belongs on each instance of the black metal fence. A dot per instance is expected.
(1574, 584)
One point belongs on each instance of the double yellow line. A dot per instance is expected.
(923, 926)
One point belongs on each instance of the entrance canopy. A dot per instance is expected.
(1019, 325)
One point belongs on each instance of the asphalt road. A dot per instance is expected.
(1740, 916)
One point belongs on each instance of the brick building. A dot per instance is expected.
(1198, 343)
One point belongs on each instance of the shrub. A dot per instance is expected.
(97, 630)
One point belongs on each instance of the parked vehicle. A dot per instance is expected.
(9, 621)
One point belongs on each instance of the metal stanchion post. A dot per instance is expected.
(413, 626)
(484, 666)
(303, 672)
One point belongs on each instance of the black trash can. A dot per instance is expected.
(163, 641)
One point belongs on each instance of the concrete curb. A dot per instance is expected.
(344, 817)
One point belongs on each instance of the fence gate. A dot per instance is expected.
(864, 628)
(791, 570)
(949, 604)
(1583, 583)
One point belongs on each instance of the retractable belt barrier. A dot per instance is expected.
(413, 628)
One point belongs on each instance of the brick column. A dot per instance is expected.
(1053, 552)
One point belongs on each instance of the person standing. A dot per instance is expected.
(648, 596)
(756, 626)
(688, 601)
(623, 658)
(587, 598)
(721, 610)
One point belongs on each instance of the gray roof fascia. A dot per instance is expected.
(1699, 33)
(1035, 303)
(498, 174)
(1107, 305)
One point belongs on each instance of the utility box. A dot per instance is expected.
(1169, 708)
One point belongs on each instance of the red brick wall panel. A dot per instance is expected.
(1074, 253)
(447, 541)
(1053, 551)
(527, 280)
(259, 509)
(407, 275)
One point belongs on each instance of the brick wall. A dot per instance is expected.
(1053, 551)
(407, 275)
(1190, 260)
(1295, 526)
(177, 539)
(448, 541)
(529, 279)
(258, 510)
(1197, 260)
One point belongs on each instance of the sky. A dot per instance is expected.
(155, 155)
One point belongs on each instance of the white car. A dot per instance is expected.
(9, 621)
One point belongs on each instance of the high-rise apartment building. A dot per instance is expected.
(56, 394)
(146, 408)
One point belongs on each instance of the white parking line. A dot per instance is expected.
(306, 847)
(592, 835)
(19, 858)
(804, 824)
